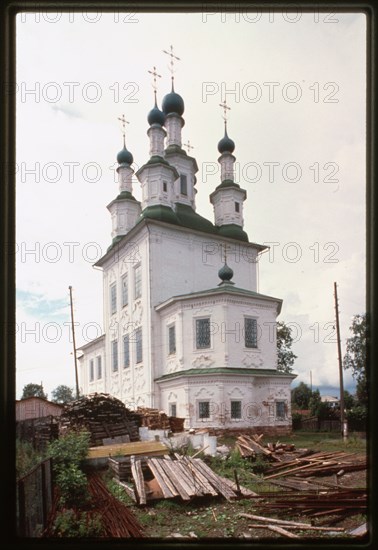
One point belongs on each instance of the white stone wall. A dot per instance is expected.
(91, 352)
(227, 343)
(258, 398)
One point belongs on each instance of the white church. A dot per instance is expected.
(186, 330)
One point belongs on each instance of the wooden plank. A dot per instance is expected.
(288, 523)
(244, 491)
(282, 531)
(205, 486)
(160, 479)
(167, 466)
(154, 448)
(192, 485)
(215, 480)
(158, 462)
(129, 490)
(136, 470)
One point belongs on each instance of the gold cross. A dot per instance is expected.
(172, 56)
(124, 122)
(225, 108)
(188, 146)
(155, 75)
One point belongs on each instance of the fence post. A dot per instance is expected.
(21, 509)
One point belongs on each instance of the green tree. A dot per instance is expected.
(301, 395)
(62, 394)
(348, 400)
(33, 390)
(355, 357)
(286, 357)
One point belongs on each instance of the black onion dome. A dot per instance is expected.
(155, 116)
(124, 156)
(173, 103)
(225, 273)
(226, 144)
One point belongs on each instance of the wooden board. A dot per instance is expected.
(148, 448)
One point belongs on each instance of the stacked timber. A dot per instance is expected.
(250, 447)
(104, 416)
(38, 431)
(180, 477)
(159, 420)
(318, 464)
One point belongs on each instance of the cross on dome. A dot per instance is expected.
(225, 108)
(172, 62)
(188, 146)
(124, 122)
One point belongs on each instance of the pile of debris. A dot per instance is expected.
(182, 477)
(250, 447)
(318, 464)
(341, 503)
(158, 420)
(38, 431)
(105, 417)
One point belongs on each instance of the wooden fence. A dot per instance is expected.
(34, 500)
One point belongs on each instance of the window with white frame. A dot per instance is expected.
(126, 351)
(125, 290)
(203, 410)
(113, 298)
(165, 187)
(280, 410)
(236, 410)
(172, 409)
(171, 339)
(91, 370)
(250, 332)
(139, 345)
(115, 355)
(203, 333)
(137, 281)
(237, 207)
(99, 366)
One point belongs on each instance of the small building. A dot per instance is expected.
(331, 400)
(36, 407)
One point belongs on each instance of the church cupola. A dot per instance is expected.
(228, 197)
(124, 209)
(157, 176)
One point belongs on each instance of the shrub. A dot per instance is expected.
(71, 448)
(69, 523)
(73, 485)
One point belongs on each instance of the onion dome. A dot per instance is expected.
(124, 156)
(173, 103)
(225, 273)
(155, 116)
(226, 145)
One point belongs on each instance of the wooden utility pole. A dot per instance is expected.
(344, 430)
(311, 380)
(74, 345)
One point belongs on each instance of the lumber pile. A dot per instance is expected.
(318, 464)
(159, 420)
(38, 431)
(340, 503)
(250, 447)
(104, 416)
(148, 448)
(180, 477)
(285, 527)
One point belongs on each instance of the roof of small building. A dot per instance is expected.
(244, 371)
(224, 288)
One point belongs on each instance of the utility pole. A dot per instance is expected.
(74, 344)
(344, 427)
(311, 380)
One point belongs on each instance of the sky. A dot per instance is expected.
(296, 86)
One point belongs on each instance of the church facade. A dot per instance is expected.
(186, 330)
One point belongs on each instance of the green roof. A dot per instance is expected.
(159, 212)
(233, 231)
(228, 183)
(245, 371)
(189, 218)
